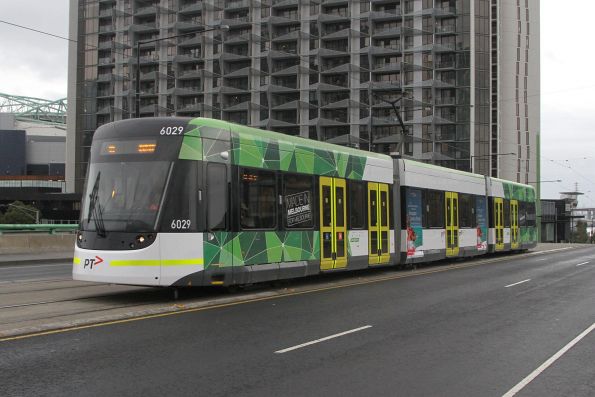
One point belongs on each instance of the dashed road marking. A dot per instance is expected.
(323, 339)
(520, 282)
(519, 386)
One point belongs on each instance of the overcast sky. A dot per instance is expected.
(32, 64)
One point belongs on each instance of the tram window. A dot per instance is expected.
(298, 209)
(506, 213)
(530, 214)
(357, 205)
(180, 212)
(522, 214)
(467, 211)
(258, 199)
(216, 196)
(435, 209)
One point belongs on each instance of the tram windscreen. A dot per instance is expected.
(123, 196)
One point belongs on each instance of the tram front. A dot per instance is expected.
(140, 210)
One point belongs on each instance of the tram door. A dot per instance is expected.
(378, 227)
(333, 229)
(514, 224)
(499, 222)
(452, 223)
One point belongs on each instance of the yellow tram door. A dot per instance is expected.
(378, 223)
(514, 224)
(499, 222)
(333, 228)
(452, 223)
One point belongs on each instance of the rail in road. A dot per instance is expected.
(42, 304)
(512, 325)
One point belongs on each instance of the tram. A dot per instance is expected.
(197, 201)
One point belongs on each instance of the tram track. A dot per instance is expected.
(84, 298)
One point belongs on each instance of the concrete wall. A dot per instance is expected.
(36, 243)
(12, 152)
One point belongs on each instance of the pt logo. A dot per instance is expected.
(92, 262)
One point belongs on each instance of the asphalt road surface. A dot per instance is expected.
(521, 325)
(35, 272)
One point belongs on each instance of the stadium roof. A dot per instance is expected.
(35, 110)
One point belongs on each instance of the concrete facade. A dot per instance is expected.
(318, 70)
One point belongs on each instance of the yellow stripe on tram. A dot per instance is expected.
(76, 261)
(156, 262)
(182, 262)
(136, 262)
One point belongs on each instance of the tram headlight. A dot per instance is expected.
(79, 237)
(140, 239)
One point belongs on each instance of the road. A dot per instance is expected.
(35, 272)
(471, 331)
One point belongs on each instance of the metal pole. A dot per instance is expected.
(138, 43)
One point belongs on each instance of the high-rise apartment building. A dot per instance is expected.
(467, 72)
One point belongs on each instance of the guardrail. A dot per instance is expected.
(38, 228)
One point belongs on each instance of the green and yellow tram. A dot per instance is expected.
(189, 202)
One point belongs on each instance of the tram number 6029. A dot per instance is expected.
(181, 224)
(171, 130)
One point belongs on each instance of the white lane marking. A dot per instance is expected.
(520, 282)
(322, 339)
(580, 264)
(549, 362)
(548, 251)
(542, 259)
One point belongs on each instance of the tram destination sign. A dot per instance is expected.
(298, 208)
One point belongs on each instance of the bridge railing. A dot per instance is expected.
(38, 228)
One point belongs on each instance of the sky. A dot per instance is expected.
(32, 64)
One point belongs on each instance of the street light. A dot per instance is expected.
(140, 42)
(555, 180)
(23, 209)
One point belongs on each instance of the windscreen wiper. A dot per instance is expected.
(95, 208)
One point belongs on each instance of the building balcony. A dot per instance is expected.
(446, 101)
(388, 14)
(445, 30)
(192, 8)
(106, 61)
(237, 4)
(144, 27)
(107, 29)
(146, 11)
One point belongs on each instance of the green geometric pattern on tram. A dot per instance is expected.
(528, 234)
(218, 249)
(516, 192)
(264, 149)
(252, 248)
(191, 146)
(253, 151)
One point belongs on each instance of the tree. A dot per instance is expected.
(580, 233)
(19, 213)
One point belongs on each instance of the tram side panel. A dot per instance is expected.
(512, 215)
(443, 213)
(293, 211)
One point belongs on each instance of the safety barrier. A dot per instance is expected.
(37, 228)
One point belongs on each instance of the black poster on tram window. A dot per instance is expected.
(298, 208)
